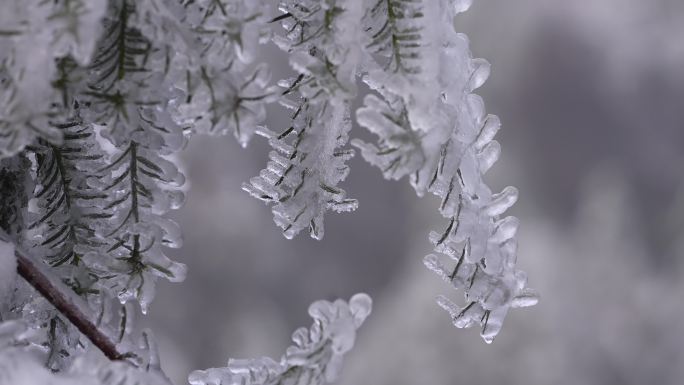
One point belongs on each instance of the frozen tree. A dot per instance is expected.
(98, 97)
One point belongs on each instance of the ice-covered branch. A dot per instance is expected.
(20, 364)
(98, 97)
(316, 357)
(433, 129)
(34, 36)
(301, 179)
(72, 307)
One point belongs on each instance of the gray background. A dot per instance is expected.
(591, 95)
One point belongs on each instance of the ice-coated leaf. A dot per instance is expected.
(480, 74)
(526, 298)
(489, 129)
(502, 201)
(399, 151)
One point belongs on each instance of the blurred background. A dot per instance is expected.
(591, 95)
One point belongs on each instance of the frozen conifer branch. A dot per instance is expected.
(20, 348)
(315, 359)
(98, 98)
(20, 364)
(112, 339)
(433, 129)
(302, 176)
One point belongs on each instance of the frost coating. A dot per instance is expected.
(316, 357)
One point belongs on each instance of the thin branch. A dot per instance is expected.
(40, 281)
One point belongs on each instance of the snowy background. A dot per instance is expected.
(591, 95)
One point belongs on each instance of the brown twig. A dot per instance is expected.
(28, 270)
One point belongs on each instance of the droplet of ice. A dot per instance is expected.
(360, 306)
(502, 201)
(480, 74)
